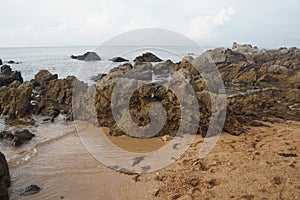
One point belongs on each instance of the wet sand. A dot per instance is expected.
(239, 167)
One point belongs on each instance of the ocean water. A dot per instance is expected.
(57, 59)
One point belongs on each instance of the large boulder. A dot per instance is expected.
(89, 56)
(147, 57)
(4, 178)
(7, 76)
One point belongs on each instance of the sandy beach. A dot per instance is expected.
(239, 167)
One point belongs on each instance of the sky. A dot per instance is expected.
(266, 24)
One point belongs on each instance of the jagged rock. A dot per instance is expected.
(89, 56)
(43, 77)
(15, 101)
(7, 76)
(4, 178)
(56, 94)
(147, 57)
(118, 59)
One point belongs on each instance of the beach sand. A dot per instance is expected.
(239, 167)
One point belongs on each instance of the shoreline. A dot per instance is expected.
(75, 174)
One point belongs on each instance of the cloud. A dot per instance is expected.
(202, 28)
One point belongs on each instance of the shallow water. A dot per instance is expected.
(63, 168)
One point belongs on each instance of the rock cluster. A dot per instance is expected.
(45, 95)
(260, 84)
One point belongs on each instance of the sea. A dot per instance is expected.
(57, 59)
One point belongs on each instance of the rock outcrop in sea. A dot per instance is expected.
(89, 56)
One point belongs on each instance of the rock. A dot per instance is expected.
(225, 55)
(1, 62)
(163, 68)
(89, 56)
(31, 190)
(118, 59)
(13, 62)
(166, 138)
(43, 77)
(147, 57)
(4, 178)
(7, 76)
(97, 77)
(22, 136)
(16, 138)
(143, 71)
(15, 101)
(244, 48)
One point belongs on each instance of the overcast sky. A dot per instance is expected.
(270, 23)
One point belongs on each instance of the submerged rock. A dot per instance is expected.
(31, 190)
(118, 59)
(89, 56)
(4, 178)
(16, 138)
(147, 57)
(13, 62)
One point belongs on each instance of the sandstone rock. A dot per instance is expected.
(89, 56)
(44, 76)
(118, 59)
(7, 76)
(147, 57)
(15, 101)
(4, 178)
